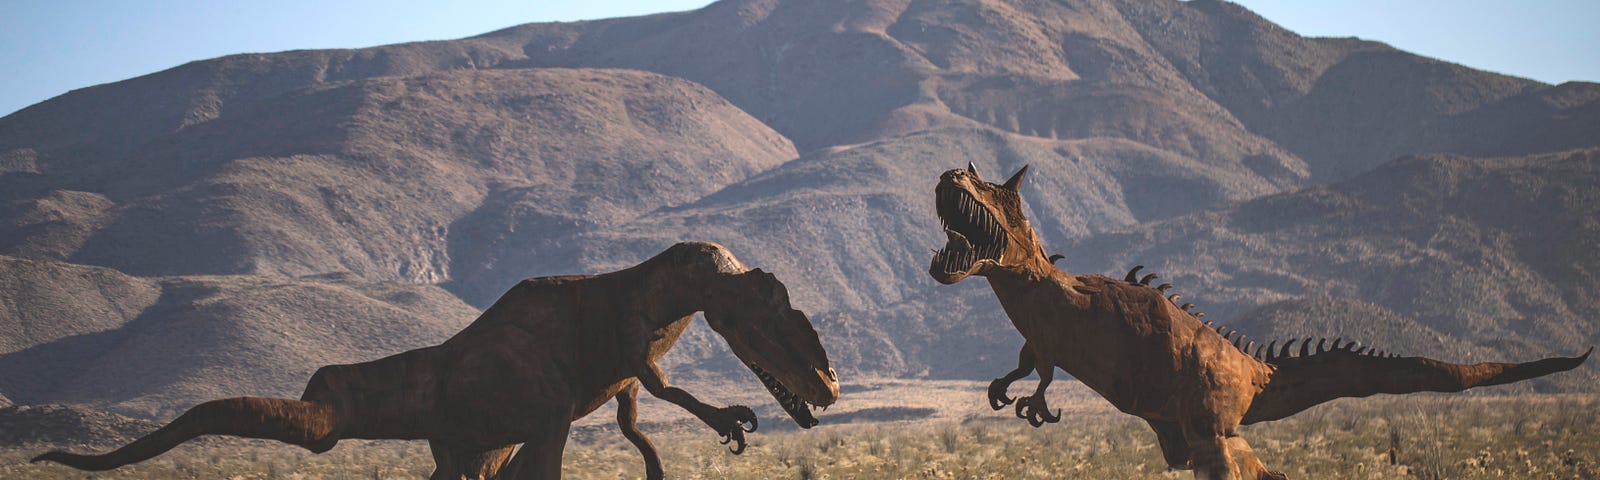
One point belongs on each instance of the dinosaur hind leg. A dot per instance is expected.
(1174, 448)
(452, 462)
(1226, 457)
(306, 424)
(628, 421)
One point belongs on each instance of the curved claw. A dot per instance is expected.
(730, 423)
(1043, 417)
(997, 394)
(1036, 415)
(743, 415)
(736, 437)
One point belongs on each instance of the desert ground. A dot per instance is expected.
(897, 428)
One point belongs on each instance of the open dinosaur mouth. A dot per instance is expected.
(793, 404)
(972, 232)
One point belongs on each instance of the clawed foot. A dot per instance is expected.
(730, 422)
(1036, 411)
(997, 394)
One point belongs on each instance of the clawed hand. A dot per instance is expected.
(730, 422)
(1036, 411)
(997, 394)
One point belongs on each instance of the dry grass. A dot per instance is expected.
(1434, 437)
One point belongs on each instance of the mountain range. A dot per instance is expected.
(226, 226)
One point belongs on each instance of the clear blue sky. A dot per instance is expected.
(52, 46)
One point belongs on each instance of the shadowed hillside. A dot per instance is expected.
(227, 199)
(189, 338)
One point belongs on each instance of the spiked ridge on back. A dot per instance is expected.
(1266, 352)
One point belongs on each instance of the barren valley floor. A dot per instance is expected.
(944, 429)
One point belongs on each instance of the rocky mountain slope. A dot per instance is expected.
(239, 201)
(162, 343)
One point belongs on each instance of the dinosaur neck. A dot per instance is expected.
(1032, 267)
(679, 281)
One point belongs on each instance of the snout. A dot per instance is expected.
(829, 393)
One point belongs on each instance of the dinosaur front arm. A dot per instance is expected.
(997, 389)
(727, 421)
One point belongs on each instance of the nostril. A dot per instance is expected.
(832, 375)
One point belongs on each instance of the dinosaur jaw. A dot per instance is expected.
(797, 406)
(974, 237)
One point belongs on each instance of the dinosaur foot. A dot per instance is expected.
(1036, 411)
(731, 423)
(997, 394)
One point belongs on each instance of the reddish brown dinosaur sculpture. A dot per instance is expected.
(550, 351)
(1151, 357)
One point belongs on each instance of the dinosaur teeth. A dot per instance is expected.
(955, 237)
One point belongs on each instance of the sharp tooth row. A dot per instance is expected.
(974, 213)
(789, 401)
(960, 261)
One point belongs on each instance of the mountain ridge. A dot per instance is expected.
(806, 137)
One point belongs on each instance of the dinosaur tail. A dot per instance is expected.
(309, 425)
(1314, 377)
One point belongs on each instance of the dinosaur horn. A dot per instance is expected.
(1163, 288)
(972, 168)
(1133, 275)
(1286, 346)
(1055, 257)
(1239, 340)
(1174, 298)
(1187, 306)
(1016, 179)
(295, 422)
(1147, 278)
(1270, 349)
(1305, 347)
(1248, 346)
(1199, 314)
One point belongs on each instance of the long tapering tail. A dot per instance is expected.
(1314, 377)
(306, 424)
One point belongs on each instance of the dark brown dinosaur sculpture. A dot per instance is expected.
(1152, 358)
(550, 351)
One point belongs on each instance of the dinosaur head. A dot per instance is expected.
(983, 224)
(751, 311)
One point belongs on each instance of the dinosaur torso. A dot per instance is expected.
(1124, 341)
